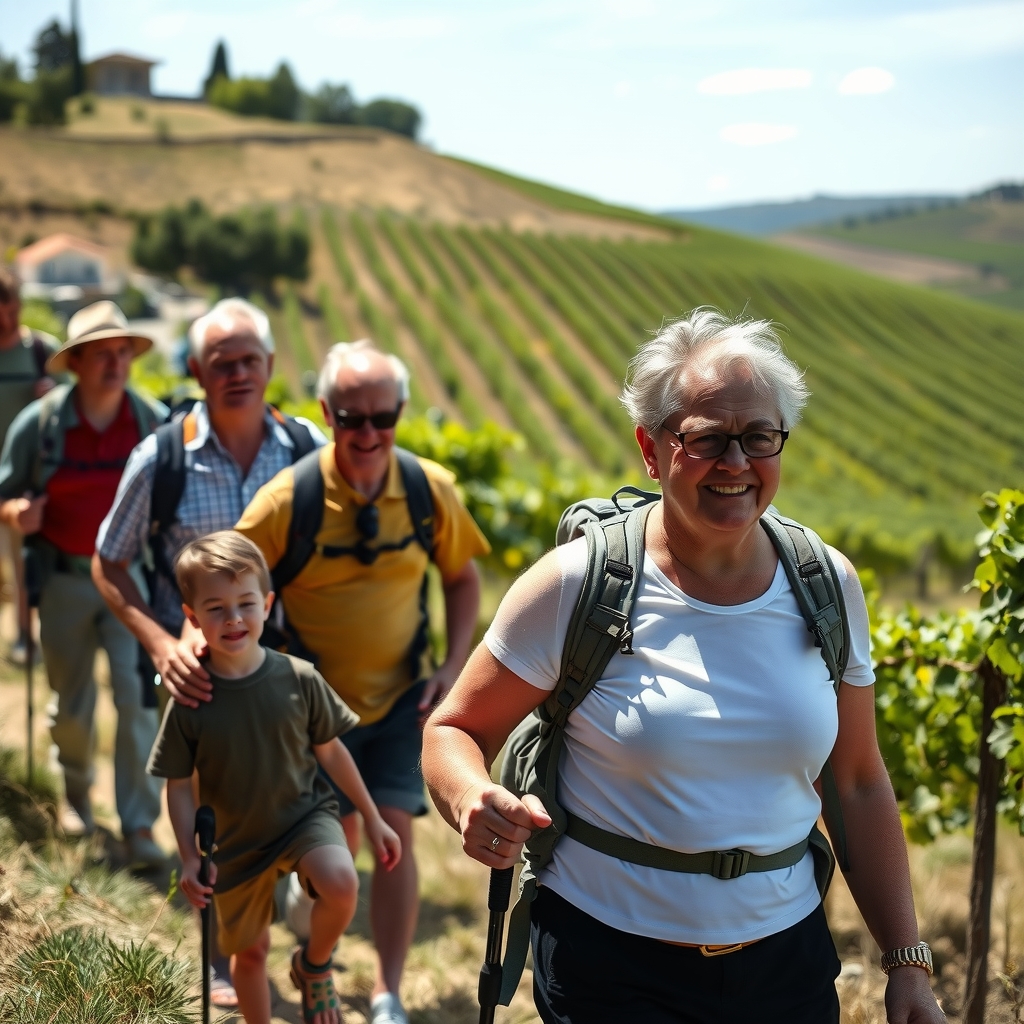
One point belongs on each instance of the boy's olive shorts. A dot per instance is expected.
(247, 909)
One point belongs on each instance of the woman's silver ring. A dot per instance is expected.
(495, 841)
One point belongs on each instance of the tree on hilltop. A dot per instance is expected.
(54, 48)
(331, 104)
(219, 67)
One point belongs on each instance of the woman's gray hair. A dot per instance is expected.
(710, 340)
(341, 354)
(227, 315)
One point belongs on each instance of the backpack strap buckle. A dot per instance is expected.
(727, 864)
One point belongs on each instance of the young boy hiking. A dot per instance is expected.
(256, 750)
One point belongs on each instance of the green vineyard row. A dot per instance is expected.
(915, 395)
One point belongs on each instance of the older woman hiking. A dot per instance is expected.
(710, 734)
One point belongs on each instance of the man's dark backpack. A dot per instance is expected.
(168, 486)
(307, 516)
(600, 627)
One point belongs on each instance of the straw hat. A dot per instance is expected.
(100, 320)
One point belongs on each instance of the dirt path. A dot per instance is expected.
(908, 268)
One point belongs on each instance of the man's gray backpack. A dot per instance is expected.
(600, 627)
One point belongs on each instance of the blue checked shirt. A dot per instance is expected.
(216, 492)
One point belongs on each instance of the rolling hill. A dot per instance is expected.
(987, 234)
(761, 219)
(522, 304)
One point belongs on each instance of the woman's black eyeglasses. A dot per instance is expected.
(355, 420)
(712, 444)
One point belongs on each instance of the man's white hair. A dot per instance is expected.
(710, 340)
(228, 315)
(352, 353)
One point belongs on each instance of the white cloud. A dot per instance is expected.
(867, 82)
(717, 183)
(622, 89)
(748, 80)
(755, 134)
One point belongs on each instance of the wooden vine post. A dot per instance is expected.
(1000, 577)
(990, 777)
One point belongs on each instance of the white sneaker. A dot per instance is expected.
(298, 907)
(387, 1009)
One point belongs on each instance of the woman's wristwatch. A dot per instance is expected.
(908, 956)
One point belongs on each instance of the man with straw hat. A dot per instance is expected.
(61, 463)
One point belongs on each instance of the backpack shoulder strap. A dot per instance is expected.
(169, 473)
(50, 449)
(818, 592)
(307, 515)
(298, 434)
(815, 584)
(419, 497)
(600, 622)
(41, 353)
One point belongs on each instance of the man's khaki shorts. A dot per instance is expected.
(247, 909)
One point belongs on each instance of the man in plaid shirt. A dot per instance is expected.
(236, 446)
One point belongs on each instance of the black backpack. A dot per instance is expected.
(600, 627)
(307, 517)
(169, 483)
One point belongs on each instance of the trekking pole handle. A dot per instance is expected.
(205, 830)
(499, 892)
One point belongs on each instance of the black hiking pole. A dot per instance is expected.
(30, 561)
(498, 894)
(206, 829)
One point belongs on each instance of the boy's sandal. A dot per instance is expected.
(223, 994)
(317, 988)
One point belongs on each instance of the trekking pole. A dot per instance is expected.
(498, 894)
(205, 830)
(30, 561)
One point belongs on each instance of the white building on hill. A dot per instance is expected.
(62, 267)
(119, 74)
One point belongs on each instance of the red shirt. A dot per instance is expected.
(82, 490)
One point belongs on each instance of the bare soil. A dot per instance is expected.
(907, 268)
(228, 162)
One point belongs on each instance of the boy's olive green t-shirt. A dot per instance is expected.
(253, 748)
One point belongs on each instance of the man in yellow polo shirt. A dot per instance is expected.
(356, 606)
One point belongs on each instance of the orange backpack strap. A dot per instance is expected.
(189, 429)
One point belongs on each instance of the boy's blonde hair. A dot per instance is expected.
(224, 552)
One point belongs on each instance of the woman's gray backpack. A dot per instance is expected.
(600, 627)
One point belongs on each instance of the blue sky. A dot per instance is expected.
(652, 103)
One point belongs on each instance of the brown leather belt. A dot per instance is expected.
(712, 950)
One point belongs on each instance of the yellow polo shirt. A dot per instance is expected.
(360, 620)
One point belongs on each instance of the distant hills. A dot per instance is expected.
(775, 218)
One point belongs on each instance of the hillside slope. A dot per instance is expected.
(915, 394)
(987, 234)
(522, 304)
(174, 152)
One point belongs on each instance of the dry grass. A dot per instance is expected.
(229, 161)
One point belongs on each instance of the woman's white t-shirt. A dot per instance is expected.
(708, 737)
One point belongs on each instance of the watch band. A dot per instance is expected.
(908, 956)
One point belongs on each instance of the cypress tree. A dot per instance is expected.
(219, 67)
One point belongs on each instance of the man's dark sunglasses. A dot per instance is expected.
(355, 420)
(712, 444)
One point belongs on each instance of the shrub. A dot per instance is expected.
(82, 977)
(241, 251)
(393, 115)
